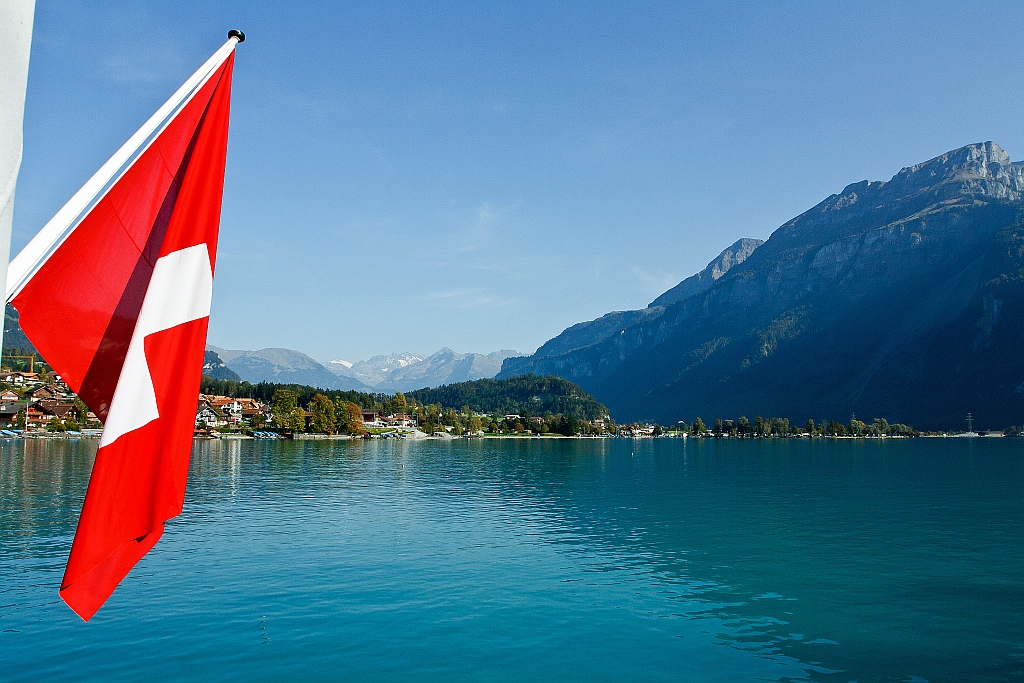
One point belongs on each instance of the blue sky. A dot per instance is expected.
(481, 176)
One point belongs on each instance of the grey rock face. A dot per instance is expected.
(407, 371)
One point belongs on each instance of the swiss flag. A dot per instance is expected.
(120, 310)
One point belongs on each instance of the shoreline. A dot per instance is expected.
(419, 436)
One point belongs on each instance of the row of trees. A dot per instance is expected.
(265, 392)
(436, 418)
(321, 415)
(780, 426)
(325, 416)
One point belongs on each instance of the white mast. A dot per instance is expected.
(15, 41)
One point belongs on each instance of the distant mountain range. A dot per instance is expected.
(376, 370)
(380, 374)
(384, 374)
(283, 366)
(901, 299)
(407, 371)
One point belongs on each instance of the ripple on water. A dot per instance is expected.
(525, 560)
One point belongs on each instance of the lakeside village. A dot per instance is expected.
(40, 405)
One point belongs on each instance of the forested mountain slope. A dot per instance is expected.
(901, 299)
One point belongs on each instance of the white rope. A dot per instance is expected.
(59, 228)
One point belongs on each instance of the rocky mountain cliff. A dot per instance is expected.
(901, 299)
(214, 367)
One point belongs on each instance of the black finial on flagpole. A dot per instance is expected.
(235, 33)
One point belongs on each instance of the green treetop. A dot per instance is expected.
(322, 419)
(283, 405)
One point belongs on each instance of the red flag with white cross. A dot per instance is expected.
(115, 294)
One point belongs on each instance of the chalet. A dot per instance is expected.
(400, 420)
(641, 430)
(232, 410)
(35, 419)
(250, 408)
(9, 411)
(235, 409)
(8, 396)
(61, 410)
(20, 378)
(46, 391)
(207, 416)
(371, 416)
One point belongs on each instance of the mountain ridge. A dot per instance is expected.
(381, 373)
(876, 301)
(444, 367)
(283, 366)
(731, 256)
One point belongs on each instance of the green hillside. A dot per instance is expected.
(526, 394)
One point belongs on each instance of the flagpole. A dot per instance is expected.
(64, 222)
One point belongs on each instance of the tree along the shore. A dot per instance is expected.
(780, 426)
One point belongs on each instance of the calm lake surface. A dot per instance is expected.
(656, 559)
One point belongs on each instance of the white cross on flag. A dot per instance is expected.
(114, 292)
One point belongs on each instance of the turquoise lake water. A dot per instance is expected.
(592, 560)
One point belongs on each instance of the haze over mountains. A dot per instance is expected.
(284, 366)
(385, 373)
(901, 299)
(407, 371)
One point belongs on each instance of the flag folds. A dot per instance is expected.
(115, 295)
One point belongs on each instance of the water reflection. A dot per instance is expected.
(821, 561)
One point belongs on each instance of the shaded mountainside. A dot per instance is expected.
(585, 334)
(522, 395)
(901, 299)
(214, 367)
(14, 338)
